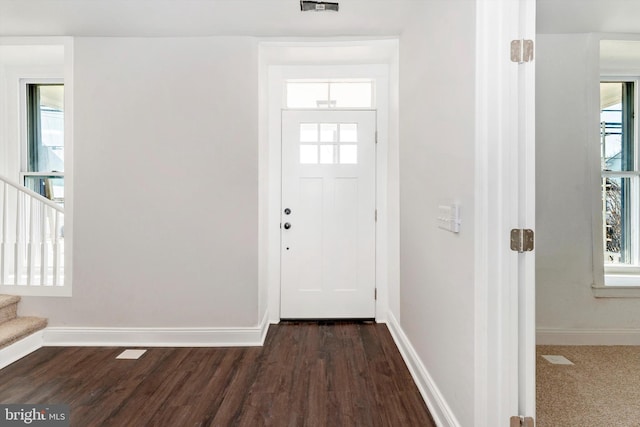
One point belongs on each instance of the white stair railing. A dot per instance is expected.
(31, 238)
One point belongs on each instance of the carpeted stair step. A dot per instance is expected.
(8, 307)
(18, 328)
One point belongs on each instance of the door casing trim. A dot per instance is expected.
(273, 75)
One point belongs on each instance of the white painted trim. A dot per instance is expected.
(19, 349)
(553, 336)
(440, 410)
(495, 368)
(617, 290)
(36, 291)
(504, 381)
(264, 327)
(592, 144)
(35, 40)
(252, 336)
(69, 167)
(617, 281)
(46, 74)
(524, 81)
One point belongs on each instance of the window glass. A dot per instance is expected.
(329, 94)
(616, 147)
(348, 132)
(309, 154)
(49, 186)
(620, 176)
(306, 94)
(308, 132)
(45, 120)
(351, 95)
(328, 132)
(616, 219)
(327, 154)
(44, 171)
(348, 154)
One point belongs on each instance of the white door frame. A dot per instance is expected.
(274, 73)
(505, 199)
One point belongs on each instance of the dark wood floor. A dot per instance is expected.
(307, 374)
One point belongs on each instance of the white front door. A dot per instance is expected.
(328, 214)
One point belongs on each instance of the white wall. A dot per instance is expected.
(566, 149)
(393, 191)
(160, 121)
(166, 201)
(437, 57)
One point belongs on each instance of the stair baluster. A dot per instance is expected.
(32, 253)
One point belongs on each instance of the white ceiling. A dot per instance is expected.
(588, 16)
(276, 17)
(201, 18)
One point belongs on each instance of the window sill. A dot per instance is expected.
(618, 286)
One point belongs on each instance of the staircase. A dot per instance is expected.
(31, 242)
(13, 328)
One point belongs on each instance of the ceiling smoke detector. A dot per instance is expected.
(317, 6)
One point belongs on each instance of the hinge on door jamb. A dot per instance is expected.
(375, 294)
(522, 240)
(376, 137)
(520, 421)
(521, 51)
(376, 215)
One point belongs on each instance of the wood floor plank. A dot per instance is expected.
(306, 374)
(235, 395)
(126, 382)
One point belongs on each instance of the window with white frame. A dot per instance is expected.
(351, 93)
(329, 143)
(620, 176)
(43, 163)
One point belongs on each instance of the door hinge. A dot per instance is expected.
(375, 294)
(522, 240)
(376, 137)
(520, 421)
(521, 51)
(376, 215)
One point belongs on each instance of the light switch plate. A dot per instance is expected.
(449, 217)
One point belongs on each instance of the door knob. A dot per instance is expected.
(287, 226)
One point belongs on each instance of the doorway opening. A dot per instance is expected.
(326, 81)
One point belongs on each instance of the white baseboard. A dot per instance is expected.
(157, 337)
(552, 336)
(440, 410)
(20, 349)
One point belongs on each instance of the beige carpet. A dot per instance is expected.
(8, 307)
(18, 328)
(602, 388)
